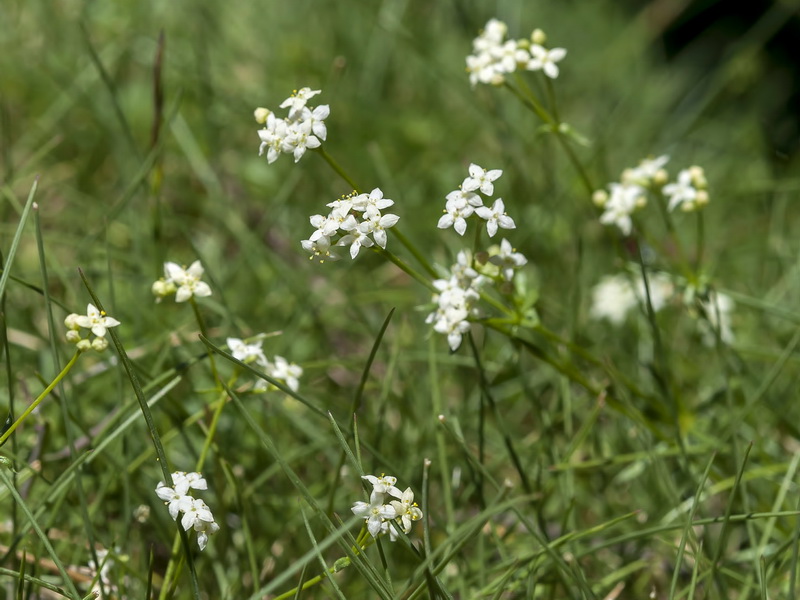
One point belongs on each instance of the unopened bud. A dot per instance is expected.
(99, 344)
(600, 197)
(538, 37)
(261, 115)
(71, 321)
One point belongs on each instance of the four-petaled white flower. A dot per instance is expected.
(545, 60)
(375, 512)
(495, 217)
(187, 281)
(297, 101)
(480, 178)
(508, 259)
(95, 320)
(407, 510)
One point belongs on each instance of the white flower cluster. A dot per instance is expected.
(616, 295)
(688, 192)
(464, 202)
(456, 297)
(182, 282)
(493, 56)
(302, 128)
(196, 514)
(95, 320)
(101, 574)
(278, 368)
(382, 516)
(354, 218)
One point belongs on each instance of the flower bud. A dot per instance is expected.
(661, 177)
(99, 344)
(538, 37)
(261, 114)
(84, 345)
(162, 288)
(73, 336)
(701, 198)
(71, 321)
(599, 198)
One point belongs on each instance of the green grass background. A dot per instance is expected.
(77, 110)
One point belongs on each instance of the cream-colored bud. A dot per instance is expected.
(162, 288)
(538, 37)
(71, 321)
(99, 344)
(261, 114)
(627, 176)
(73, 336)
(660, 177)
(84, 345)
(599, 198)
(698, 176)
(701, 198)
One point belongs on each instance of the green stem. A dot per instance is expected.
(404, 267)
(529, 100)
(204, 330)
(700, 242)
(174, 572)
(415, 252)
(364, 541)
(339, 171)
(41, 397)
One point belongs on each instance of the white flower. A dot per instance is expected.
(616, 295)
(319, 249)
(355, 239)
(545, 60)
(375, 512)
(508, 259)
(297, 101)
(624, 200)
(374, 199)
(299, 138)
(281, 369)
(203, 529)
(406, 509)
(462, 198)
(647, 171)
(383, 485)
(718, 309)
(95, 320)
(495, 216)
(456, 212)
(689, 191)
(245, 352)
(187, 281)
(377, 224)
(480, 178)
(612, 298)
(172, 498)
(195, 511)
(272, 137)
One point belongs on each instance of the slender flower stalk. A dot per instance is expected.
(46, 392)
